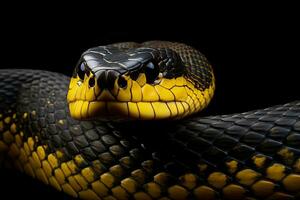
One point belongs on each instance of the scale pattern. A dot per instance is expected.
(197, 66)
(253, 154)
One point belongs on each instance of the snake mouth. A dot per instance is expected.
(103, 110)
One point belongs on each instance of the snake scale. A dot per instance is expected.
(250, 155)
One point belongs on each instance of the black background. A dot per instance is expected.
(254, 52)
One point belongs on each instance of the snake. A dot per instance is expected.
(128, 125)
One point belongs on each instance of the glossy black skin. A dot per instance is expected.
(108, 63)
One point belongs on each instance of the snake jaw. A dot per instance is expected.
(168, 99)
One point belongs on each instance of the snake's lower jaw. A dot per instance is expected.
(107, 109)
(104, 110)
(101, 110)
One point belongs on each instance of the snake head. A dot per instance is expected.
(138, 83)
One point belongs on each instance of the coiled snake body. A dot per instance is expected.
(143, 146)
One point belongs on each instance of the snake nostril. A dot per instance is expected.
(122, 82)
(92, 82)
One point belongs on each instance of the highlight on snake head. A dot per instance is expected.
(146, 83)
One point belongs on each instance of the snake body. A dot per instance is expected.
(251, 155)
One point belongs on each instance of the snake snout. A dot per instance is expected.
(107, 78)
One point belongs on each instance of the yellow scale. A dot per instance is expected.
(170, 99)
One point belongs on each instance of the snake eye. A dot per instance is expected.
(81, 70)
(151, 72)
